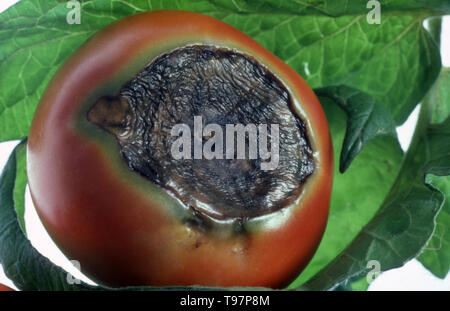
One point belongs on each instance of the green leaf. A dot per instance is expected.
(395, 62)
(406, 220)
(20, 184)
(357, 194)
(436, 256)
(442, 110)
(366, 119)
(333, 8)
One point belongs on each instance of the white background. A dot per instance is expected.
(412, 276)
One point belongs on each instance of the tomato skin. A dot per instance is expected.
(4, 288)
(95, 209)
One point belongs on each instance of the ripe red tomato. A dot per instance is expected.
(4, 288)
(125, 230)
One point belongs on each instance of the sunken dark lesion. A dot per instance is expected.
(224, 87)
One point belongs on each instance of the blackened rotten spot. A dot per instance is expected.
(223, 87)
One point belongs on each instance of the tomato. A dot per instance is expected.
(125, 230)
(4, 288)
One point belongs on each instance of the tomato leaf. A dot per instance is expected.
(357, 194)
(406, 220)
(366, 119)
(333, 8)
(20, 184)
(436, 255)
(442, 110)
